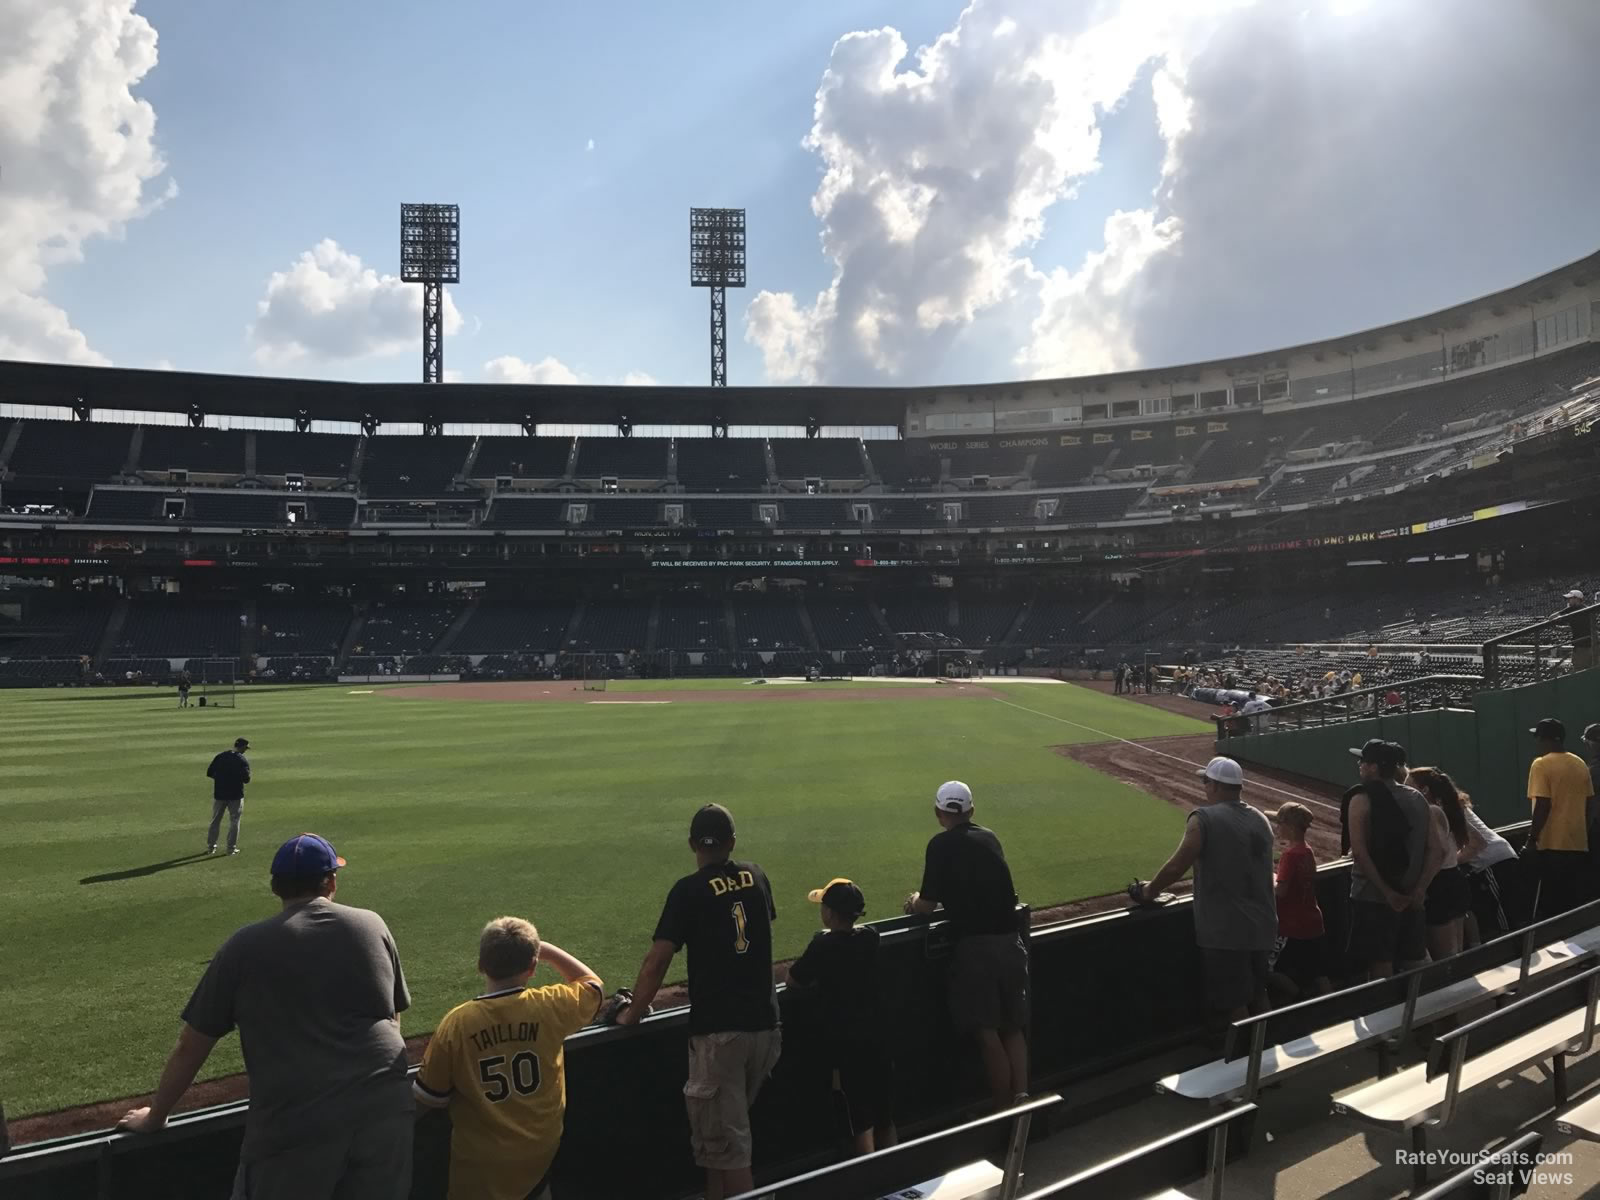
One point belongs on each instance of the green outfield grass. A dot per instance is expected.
(451, 813)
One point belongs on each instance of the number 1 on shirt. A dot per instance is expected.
(741, 940)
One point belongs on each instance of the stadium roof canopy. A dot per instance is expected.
(86, 388)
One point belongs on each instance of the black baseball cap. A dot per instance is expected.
(1550, 727)
(241, 743)
(1380, 753)
(1591, 733)
(841, 895)
(712, 826)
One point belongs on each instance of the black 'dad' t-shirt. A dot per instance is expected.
(723, 913)
(966, 871)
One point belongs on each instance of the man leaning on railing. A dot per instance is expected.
(1582, 626)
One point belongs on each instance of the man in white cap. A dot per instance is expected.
(965, 871)
(1229, 845)
(1582, 629)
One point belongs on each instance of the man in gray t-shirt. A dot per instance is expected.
(1396, 852)
(1229, 845)
(315, 992)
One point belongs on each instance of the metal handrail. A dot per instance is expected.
(1293, 716)
(1491, 648)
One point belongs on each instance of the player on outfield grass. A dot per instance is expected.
(229, 772)
(496, 1062)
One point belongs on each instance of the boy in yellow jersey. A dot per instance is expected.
(496, 1062)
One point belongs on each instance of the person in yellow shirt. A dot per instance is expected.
(1559, 788)
(496, 1062)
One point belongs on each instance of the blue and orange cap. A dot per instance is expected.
(306, 855)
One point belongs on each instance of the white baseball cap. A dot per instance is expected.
(1224, 771)
(953, 797)
(1575, 594)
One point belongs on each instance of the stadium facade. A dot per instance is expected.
(725, 527)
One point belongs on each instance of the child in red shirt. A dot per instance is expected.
(1299, 965)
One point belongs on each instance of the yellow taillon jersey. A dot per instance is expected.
(497, 1062)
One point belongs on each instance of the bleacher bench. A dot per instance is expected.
(953, 1164)
(1157, 1169)
(1382, 1014)
(1582, 1120)
(1499, 1175)
(1544, 1027)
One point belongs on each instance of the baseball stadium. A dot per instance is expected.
(498, 643)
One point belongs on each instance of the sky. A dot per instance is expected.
(937, 192)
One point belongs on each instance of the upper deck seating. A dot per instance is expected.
(902, 467)
(166, 448)
(816, 458)
(722, 464)
(69, 453)
(522, 457)
(642, 459)
(403, 465)
(313, 455)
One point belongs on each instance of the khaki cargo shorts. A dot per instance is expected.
(726, 1070)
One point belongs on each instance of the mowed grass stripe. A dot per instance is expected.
(574, 815)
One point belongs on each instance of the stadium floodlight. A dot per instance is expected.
(716, 261)
(430, 254)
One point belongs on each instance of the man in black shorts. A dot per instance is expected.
(965, 871)
(1396, 852)
(724, 914)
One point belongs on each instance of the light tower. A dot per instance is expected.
(430, 254)
(716, 261)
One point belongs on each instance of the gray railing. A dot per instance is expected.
(1542, 648)
(1425, 692)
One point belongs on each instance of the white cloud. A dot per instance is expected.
(590, 145)
(1344, 166)
(451, 375)
(508, 368)
(1082, 326)
(1322, 141)
(329, 307)
(77, 150)
(938, 174)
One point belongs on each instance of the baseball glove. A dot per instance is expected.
(612, 1005)
(1136, 894)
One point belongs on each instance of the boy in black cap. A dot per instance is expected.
(724, 914)
(841, 965)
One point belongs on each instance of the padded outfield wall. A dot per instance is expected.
(1486, 749)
